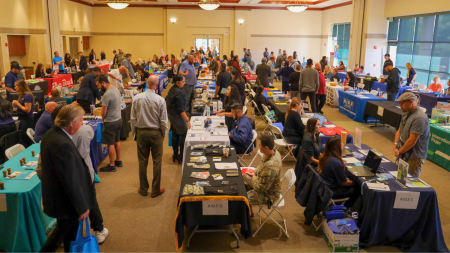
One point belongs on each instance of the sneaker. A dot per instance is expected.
(118, 163)
(101, 236)
(108, 168)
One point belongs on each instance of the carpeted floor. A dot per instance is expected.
(138, 224)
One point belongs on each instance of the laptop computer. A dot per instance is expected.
(320, 117)
(370, 167)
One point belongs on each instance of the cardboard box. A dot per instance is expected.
(443, 118)
(340, 243)
(443, 105)
(219, 105)
(215, 106)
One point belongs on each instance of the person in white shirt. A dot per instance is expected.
(115, 77)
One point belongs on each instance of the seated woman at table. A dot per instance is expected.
(232, 96)
(351, 80)
(311, 142)
(328, 73)
(7, 123)
(336, 77)
(179, 121)
(411, 74)
(161, 61)
(293, 126)
(40, 71)
(341, 67)
(25, 105)
(436, 86)
(260, 100)
(48, 68)
(67, 59)
(332, 169)
(236, 79)
(356, 69)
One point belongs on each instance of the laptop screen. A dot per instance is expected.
(320, 117)
(372, 161)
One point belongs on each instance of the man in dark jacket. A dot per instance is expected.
(388, 61)
(213, 65)
(223, 81)
(68, 192)
(88, 91)
(263, 73)
(293, 81)
(83, 63)
(392, 82)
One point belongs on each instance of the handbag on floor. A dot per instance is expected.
(84, 244)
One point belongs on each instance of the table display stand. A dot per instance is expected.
(196, 230)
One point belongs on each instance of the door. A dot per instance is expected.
(73, 45)
(205, 43)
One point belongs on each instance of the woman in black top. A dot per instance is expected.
(351, 80)
(49, 70)
(260, 100)
(40, 71)
(25, 105)
(231, 96)
(179, 121)
(7, 123)
(239, 82)
(223, 81)
(67, 59)
(92, 57)
(293, 126)
(332, 169)
(103, 55)
(311, 143)
(144, 76)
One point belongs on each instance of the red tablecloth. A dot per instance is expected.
(59, 81)
(104, 67)
(253, 77)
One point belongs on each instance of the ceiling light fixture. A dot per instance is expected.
(296, 7)
(117, 5)
(209, 5)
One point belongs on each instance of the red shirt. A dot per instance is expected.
(322, 88)
(435, 88)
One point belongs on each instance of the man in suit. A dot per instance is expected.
(83, 63)
(68, 192)
(263, 73)
(273, 70)
(88, 91)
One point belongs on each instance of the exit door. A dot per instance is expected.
(211, 43)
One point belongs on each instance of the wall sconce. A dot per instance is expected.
(173, 20)
(240, 21)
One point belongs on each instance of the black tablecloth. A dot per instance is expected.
(407, 229)
(126, 127)
(392, 115)
(280, 110)
(43, 85)
(429, 100)
(368, 84)
(75, 77)
(189, 212)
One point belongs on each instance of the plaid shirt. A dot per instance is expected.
(149, 110)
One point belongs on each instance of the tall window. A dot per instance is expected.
(424, 42)
(341, 37)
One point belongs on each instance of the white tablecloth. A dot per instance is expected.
(332, 95)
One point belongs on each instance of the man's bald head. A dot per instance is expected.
(55, 92)
(191, 59)
(50, 107)
(317, 66)
(122, 69)
(152, 82)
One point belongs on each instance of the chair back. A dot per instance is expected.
(11, 139)
(361, 85)
(255, 106)
(275, 130)
(255, 135)
(14, 150)
(257, 153)
(290, 176)
(244, 109)
(265, 108)
(30, 133)
(269, 121)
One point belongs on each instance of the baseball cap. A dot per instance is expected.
(16, 65)
(387, 55)
(407, 96)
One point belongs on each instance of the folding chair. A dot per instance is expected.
(290, 176)
(14, 150)
(30, 133)
(244, 109)
(241, 157)
(282, 142)
(261, 115)
(256, 155)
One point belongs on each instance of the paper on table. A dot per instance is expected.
(378, 186)
(226, 166)
(309, 115)
(219, 133)
(351, 160)
(197, 127)
(305, 120)
(3, 206)
(385, 160)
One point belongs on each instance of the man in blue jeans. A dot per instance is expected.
(392, 82)
(187, 70)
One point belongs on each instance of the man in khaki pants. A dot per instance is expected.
(149, 128)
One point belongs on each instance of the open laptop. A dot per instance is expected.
(320, 117)
(370, 167)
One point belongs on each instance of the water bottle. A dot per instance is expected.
(208, 111)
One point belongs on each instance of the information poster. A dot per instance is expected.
(439, 146)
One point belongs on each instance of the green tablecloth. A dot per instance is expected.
(69, 99)
(23, 225)
(439, 146)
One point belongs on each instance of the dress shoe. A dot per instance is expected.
(161, 191)
(142, 193)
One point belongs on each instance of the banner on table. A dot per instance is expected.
(439, 146)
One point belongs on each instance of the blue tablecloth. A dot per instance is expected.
(323, 137)
(429, 100)
(212, 84)
(417, 230)
(69, 99)
(23, 225)
(382, 86)
(163, 82)
(342, 76)
(97, 151)
(274, 92)
(166, 72)
(353, 105)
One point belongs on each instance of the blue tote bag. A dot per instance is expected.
(84, 244)
(99, 132)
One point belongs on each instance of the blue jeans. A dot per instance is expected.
(391, 96)
(188, 91)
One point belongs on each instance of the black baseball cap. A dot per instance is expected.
(388, 55)
(16, 65)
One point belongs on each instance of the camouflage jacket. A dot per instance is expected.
(267, 178)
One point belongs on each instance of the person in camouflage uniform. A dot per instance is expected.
(264, 183)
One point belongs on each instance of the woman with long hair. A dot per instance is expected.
(239, 82)
(341, 67)
(231, 96)
(198, 58)
(172, 60)
(351, 80)
(436, 86)
(327, 72)
(293, 126)
(323, 62)
(167, 59)
(235, 65)
(410, 75)
(92, 57)
(332, 169)
(103, 55)
(155, 57)
(161, 61)
(225, 60)
(40, 73)
(230, 59)
(311, 142)
(7, 123)
(25, 105)
(179, 121)
(67, 59)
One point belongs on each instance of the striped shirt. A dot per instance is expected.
(149, 110)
